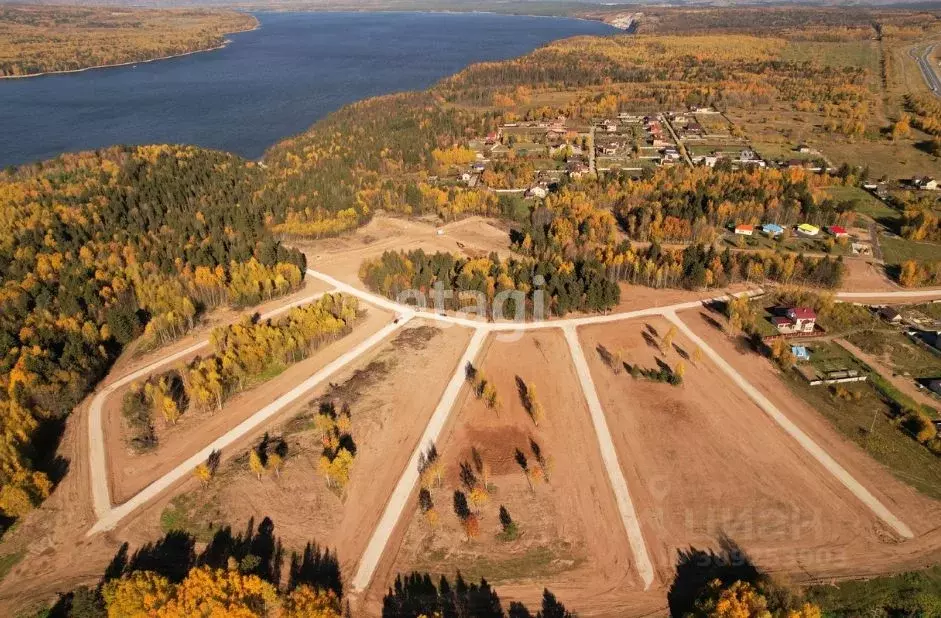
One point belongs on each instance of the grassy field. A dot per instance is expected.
(905, 458)
(9, 561)
(541, 561)
(898, 250)
(930, 309)
(836, 55)
(905, 594)
(826, 357)
(902, 355)
(866, 203)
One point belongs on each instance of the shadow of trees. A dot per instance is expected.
(416, 594)
(696, 568)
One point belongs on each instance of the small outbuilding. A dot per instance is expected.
(837, 231)
(890, 315)
(800, 352)
(744, 230)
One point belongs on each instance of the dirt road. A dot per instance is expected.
(812, 448)
(111, 517)
(610, 457)
(409, 478)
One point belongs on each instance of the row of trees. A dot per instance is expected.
(339, 449)
(493, 287)
(249, 350)
(244, 353)
(97, 247)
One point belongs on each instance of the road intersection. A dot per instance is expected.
(110, 515)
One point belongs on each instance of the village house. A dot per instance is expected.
(744, 230)
(538, 191)
(671, 154)
(797, 320)
(772, 229)
(576, 169)
(837, 231)
(806, 229)
(925, 183)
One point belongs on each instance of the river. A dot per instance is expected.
(267, 84)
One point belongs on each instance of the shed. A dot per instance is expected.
(800, 352)
(890, 314)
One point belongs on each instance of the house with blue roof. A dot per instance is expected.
(772, 229)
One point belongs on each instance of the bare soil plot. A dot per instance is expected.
(916, 510)
(705, 463)
(130, 471)
(390, 413)
(341, 257)
(571, 539)
(863, 275)
(634, 297)
(391, 393)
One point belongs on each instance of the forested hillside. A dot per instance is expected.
(40, 39)
(97, 249)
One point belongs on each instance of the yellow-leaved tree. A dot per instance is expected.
(208, 593)
(141, 593)
(307, 602)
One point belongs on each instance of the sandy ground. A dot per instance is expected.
(634, 297)
(391, 394)
(703, 462)
(572, 541)
(341, 257)
(388, 418)
(130, 472)
(866, 275)
(917, 511)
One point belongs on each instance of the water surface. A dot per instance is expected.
(267, 84)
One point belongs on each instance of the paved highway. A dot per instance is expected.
(928, 66)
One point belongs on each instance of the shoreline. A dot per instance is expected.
(223, 45)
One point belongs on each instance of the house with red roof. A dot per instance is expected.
(796, 320)
(744, 230)
(837, 231)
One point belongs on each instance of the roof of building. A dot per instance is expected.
(802, 313)
(889, 313)
(772, 227)
(800, 351)
(837, 229)
(810, 229)
(745, 228)
(780, 319)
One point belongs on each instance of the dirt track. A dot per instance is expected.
(705, 462)
(59, 556)
(919, 512)
(572, 520)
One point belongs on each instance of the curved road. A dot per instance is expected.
(928, 67)
(110, 515)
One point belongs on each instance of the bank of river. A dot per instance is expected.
(267, 84)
